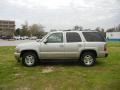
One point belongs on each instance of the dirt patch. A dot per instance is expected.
(23, 88)
(18, 75)
(49, 87)
(48, 69)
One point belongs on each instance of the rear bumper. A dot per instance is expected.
(102, 54)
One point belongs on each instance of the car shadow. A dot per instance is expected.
(66, 63)
(60, 62)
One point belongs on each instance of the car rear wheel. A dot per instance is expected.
(29, 59)
(88, 59)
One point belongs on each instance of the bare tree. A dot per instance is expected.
(36, 30)
(78, 27)
(24, 29)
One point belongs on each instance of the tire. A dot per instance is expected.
(88, 59)
(29, 59)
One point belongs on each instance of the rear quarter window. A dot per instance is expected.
(93, 37)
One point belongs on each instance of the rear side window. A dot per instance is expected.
(73, 37)
(93, 37)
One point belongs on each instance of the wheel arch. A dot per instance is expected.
(89, 50)
(33, 51)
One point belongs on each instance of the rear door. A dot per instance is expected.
(73, 45)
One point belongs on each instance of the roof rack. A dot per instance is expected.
(75, 30)
(79, 30)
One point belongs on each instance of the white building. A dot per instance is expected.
(113, 36)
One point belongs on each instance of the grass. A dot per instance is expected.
(60, 75)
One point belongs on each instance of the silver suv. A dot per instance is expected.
(85, 46)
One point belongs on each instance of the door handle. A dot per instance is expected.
(79, 45)
(61, 45)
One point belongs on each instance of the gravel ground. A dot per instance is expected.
(13, 42)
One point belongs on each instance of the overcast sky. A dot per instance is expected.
(62, 14)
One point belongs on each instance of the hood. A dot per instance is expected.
(29, 45)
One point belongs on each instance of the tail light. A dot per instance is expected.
(105, 47)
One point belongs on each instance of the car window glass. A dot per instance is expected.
(73, 37)
(93, 37)
(55, 38)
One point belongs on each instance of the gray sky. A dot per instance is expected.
(62, 14)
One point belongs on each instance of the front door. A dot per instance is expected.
(53, 47)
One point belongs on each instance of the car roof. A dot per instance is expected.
(74, 31)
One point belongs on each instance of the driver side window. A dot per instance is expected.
(55, 38)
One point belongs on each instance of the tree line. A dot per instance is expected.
(30, 30)
(114, 29)
(38, 30)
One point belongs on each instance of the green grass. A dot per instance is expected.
(113, 44)
(70, 76)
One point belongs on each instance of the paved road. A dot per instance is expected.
(13, 42)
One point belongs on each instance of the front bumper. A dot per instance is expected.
(17, 56)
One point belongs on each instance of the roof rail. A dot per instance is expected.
(79, 30)
(74, 30)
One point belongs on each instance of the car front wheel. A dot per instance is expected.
(29, 59)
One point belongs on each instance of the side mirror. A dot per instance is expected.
(45, 42)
